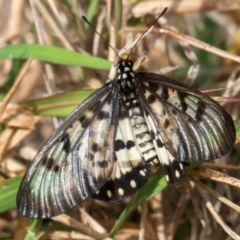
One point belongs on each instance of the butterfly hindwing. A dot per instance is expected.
(166, 148)
(76, 161)
(191, 126)
(131, 170)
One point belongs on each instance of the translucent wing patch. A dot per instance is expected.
(189, 125)
(76, 161)
(131, 170)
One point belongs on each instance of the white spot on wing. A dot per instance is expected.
(177, 173)
(142, 173)
(167, 178)
(133, 184)
(181, 166)
(120, 191)
(109, 193)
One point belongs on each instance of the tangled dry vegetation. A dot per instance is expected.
(195, 42)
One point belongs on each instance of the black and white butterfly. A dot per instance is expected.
(105, 147)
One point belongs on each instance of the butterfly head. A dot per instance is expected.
(125, 65)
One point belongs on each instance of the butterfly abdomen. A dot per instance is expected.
(142, 135)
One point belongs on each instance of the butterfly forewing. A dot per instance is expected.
(76, 161)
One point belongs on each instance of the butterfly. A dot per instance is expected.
(105, 147)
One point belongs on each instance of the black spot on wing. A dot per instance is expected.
(65, 139)
(159, 143)
(50, 163)
(182, 97)
(85, 122)
(119, 144)
(164, 94)
(130, 144)
(151, 99)
(56, 169)
(166, 123)
(152, 134)
(95, 147)
(101, 164)
(153, 87)
(82, 118)
(200, 110)
(103, 115)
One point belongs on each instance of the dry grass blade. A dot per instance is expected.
(14, 87)
(54, 24)
(69, 221)
(157, 215)
(190, 40)
(203, 172)
(194, 69)
(217, 217)
(183, 6)
(220, 166)
(144, 211)
(199, 44)
(215, 194)
(176, 216)
(87, 220)
(19, 123)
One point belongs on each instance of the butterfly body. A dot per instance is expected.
(104, 148)
(129, 97)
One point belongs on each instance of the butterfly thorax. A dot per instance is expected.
(126, 79)
(128, 93)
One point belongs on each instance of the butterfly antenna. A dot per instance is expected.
(94, 29)
(163, 12)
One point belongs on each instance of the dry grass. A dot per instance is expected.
(194, 35)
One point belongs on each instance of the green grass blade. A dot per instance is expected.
(59, 105)
(53, 55)
(8, 191)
